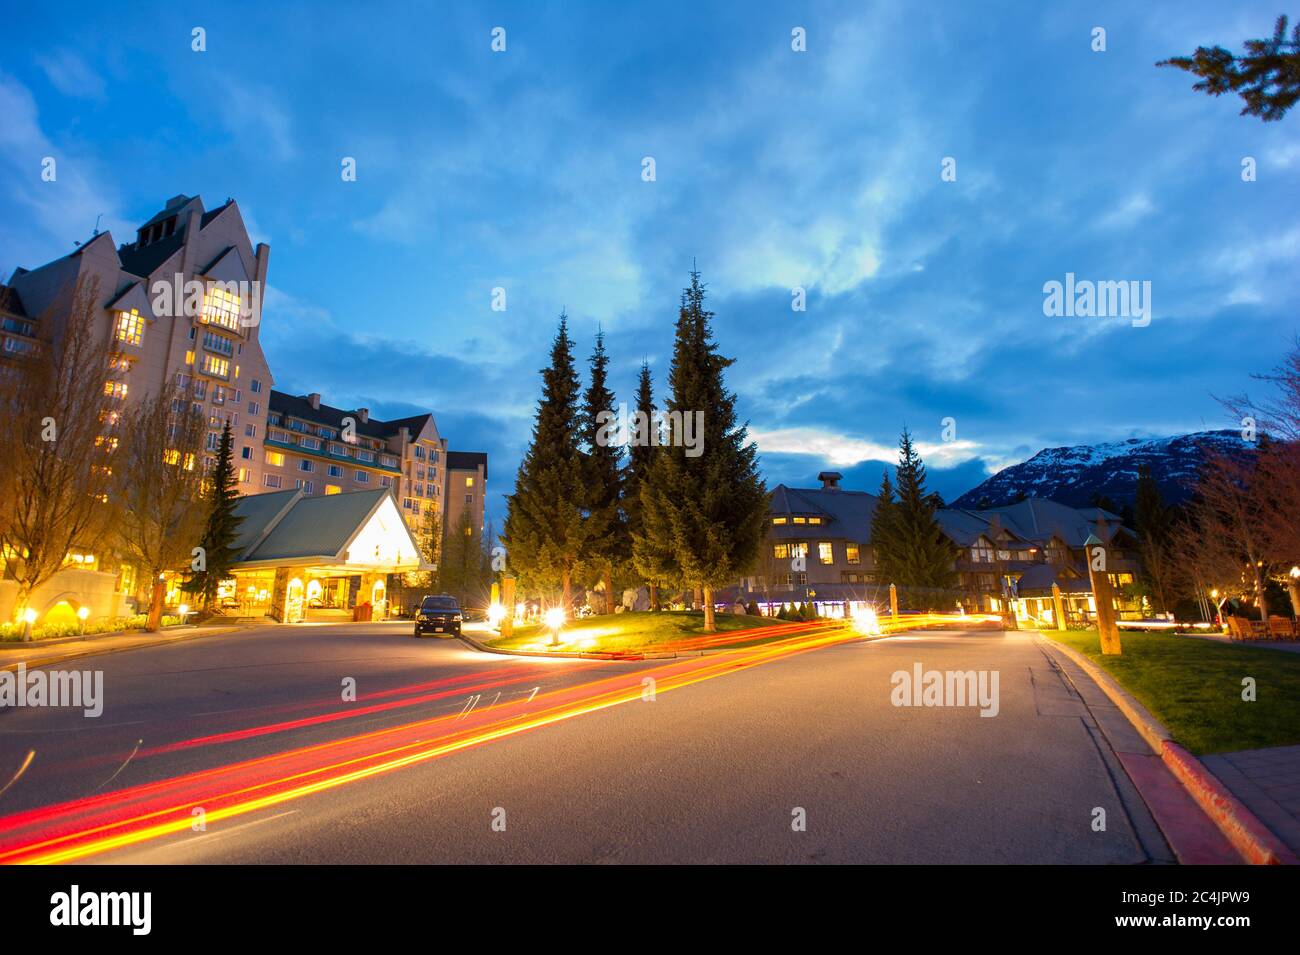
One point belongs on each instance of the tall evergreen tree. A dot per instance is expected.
(545, 530)
(222, 528)
(640, 457)
(704, 507)
(924, 555)
(884, 532)
(1154, 526)
(609, 546)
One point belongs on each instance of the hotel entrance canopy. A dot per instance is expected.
(355, 533)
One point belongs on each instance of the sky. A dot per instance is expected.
(773, 170)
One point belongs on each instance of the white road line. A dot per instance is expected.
(226, 832)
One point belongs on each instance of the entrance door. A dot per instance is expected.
(293, 607)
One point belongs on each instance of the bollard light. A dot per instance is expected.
(554, 621)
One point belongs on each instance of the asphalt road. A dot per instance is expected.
(716, 770)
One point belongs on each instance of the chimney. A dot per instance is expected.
(363, 415)
(830, 480)
(313, 399)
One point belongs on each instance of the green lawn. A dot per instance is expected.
(631, 631)
(1194, 687)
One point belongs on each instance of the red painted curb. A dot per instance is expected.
(1248, 835)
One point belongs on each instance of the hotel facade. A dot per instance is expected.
(182, 306)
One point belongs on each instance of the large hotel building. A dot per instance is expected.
(207, 348)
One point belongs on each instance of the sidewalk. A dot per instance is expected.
(39, 654)
(1268, 782)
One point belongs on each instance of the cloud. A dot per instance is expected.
(70, 75)
(61, 210)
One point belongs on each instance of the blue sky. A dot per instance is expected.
(774, 169)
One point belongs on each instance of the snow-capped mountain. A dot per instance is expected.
(1077, 475)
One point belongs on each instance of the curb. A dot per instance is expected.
(99, 651)
(1250, 837)
(581, 654)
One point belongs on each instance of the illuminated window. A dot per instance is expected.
(469, 482)
(189, 358)
(778, 520)
(781, 551)
(212, 365)
(245, 475)
(814, 520)
(220, 307)
(800, 520)
(332, 489)
(825, 553)
(130, 327)
(852, 554)
(115, 389)
(275, 457)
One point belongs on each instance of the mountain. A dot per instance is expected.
(1079, 474)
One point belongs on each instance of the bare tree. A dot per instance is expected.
(159, 486)
(1229, 515)
(57, 444)
(1277, 471)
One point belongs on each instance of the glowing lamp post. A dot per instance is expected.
(554, 621)
(1293, 587)
(82, 614)
(183, 610)
(496, 613)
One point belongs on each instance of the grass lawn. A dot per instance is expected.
(1194, 687)
(632, 631)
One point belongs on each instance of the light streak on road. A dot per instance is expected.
(81, 828)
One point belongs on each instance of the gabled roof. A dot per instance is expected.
(845, 514)
(288, 527)
(11, 303)
(145, 260)
(1040, 520)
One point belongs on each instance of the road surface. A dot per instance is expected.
(798, 757)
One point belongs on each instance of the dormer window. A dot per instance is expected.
(130, 327)
(220, 307)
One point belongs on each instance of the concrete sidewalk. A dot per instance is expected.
(41, 654)
(1268, 782)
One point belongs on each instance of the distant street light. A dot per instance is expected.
(29, 618)
(82, 614)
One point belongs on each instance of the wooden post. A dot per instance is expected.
(1059, 605)
(1096, 554)
(893, 601)
(1293, 586)
(508, 605)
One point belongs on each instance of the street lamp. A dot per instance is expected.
(554, 621)
(496, 613)
(29, 618)
(183, 609)
(82, 614)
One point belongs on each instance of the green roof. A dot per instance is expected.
(288, 525)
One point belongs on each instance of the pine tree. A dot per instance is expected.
(460, 571)
(884, 533)
(1266, 76)
(609, 545)
(545, 531)
(704, 507)
(925, 554)
(1153, 522)
(640, 457)
(222, 529)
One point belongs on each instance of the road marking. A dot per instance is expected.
(31, 754)
(226, 832)
(120, 768)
